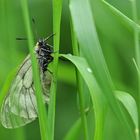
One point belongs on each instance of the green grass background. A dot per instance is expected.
(117, 42)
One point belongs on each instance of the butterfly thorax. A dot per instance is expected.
(44, 51)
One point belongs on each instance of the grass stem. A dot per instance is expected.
(79, 86)
(39, 96)
(57, 8)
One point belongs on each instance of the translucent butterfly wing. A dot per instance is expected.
(9, 119)
(20, 107)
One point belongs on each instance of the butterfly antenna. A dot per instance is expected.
(21, 38)
(51, 35)
(35, 30)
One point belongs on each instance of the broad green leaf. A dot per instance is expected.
(89, 44)
(95, 92)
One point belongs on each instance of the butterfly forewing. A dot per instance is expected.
(20, 106)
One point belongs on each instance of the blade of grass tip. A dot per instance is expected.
(137, 46)
(122, 16)
(38, 90)
(57, 9)
(79, 86)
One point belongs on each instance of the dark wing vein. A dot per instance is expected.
(26, 104)
(31, 98)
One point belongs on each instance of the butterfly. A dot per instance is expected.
(19, 106)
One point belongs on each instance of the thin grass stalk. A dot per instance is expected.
(39, 96)
(79, 86)
(137, 56)
(57, 8)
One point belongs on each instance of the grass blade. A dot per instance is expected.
(39, 96)
(79, 84)
(89, 43)
(129, 103)
(98, 101)
(122, 17)
(57, 8)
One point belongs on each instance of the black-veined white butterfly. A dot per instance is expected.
(20, 106)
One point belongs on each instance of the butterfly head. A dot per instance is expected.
(40, 44)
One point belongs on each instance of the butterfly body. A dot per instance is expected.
(44, 52)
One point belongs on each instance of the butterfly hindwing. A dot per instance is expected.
(9, 119)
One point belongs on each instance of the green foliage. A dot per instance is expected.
(102, 70)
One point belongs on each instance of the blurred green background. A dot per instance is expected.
(118, 47)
